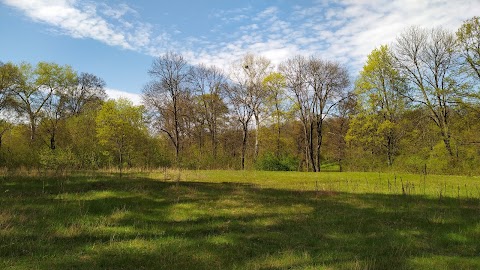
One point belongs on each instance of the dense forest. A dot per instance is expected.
(413, 107)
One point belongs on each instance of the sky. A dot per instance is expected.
(118, 40)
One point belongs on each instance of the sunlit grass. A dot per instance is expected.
(350, 182)
(239, 220)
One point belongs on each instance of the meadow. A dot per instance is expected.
(239, 220)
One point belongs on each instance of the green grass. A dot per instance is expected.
(240, 220)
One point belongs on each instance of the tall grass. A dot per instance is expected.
(239, 220)
(432, 186)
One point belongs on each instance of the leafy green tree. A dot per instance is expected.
(381, 95)
(119, 125)
(35, 90)
(60, 80)
(275, 85)
(10, 77)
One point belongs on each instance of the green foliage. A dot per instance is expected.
(412, 163)
(10, 75)
(380, 90)
(17, 150)
(270, 162)
(83, 141)
(54, 76)
(119, 128)
(439, 160)
(58, 159)
(383, 125)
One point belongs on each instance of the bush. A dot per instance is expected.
(270, 162)
(58, 159)
(439, 161)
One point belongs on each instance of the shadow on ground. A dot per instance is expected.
(137, 223)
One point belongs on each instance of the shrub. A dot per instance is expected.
(58, 159)
(270, 162)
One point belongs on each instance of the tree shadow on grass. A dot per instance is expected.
(109, 223)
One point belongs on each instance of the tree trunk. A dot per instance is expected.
(319, 142)
(310, 147)
(257, 127)
(214, 145)
(121, 163)
(120, 154)
(177, 131)
(278, 133)
(445, 132)
(305, 134)
(52, 141)
(32, 127)
(448, 146)
(214, 134)
(244, 145)
(390, 150)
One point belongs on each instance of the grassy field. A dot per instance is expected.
(240, 220)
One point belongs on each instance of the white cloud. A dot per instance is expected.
(84, 20)
(364, 25)
(267, 13)
(345, 30)
(119, 12)
(115, 94)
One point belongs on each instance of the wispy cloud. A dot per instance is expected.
(88, 20)
(345, 30)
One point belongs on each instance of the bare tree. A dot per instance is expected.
(164, 95)
(250, 72)
(295, 72)
(339, 125)
(429, 60)
(241, 111)
(328, 81)
(88, 89)
(208, 84)
(318, 87)
(468, 37)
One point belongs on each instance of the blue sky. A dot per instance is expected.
(117, 40)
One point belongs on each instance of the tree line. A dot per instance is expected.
(413, 107)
